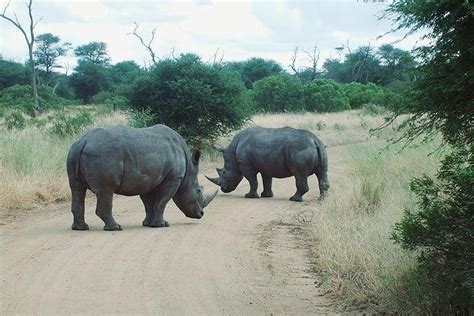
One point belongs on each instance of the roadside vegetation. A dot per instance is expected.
(397, 229)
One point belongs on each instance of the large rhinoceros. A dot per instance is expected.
(274, 153)
(152, 162)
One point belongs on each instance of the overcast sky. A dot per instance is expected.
(239, 29)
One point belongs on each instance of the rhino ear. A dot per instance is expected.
(196, 156)
(219, 148)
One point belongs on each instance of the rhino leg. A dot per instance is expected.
(104, 211)
(301, 188)
(323, 184)
(77, 207)
(148, 200)
(251, 177)
(162, 195)
(267, 186)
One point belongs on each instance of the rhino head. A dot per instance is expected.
(229, 176)
(190, 198)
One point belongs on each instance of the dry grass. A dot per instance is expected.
(33, 165)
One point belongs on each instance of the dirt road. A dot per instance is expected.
(244, 257)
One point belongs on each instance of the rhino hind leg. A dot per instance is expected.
(301, 188)
(77, 207)
(267, 186)
(104, 211)
(323, 184)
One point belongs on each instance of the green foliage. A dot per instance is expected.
(94, 52)
(65, 126)
(200, 101)
(89, 79)
(361, 94)
(141, 118)
(323, 95)
(255, 69)
(442, 230)
(279, 93)
(47, 52)
(12, 73)
(20, 98)
(110, 99)
(15, 119)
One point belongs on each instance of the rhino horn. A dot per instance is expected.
(208, 198)
(219, 170)
(219, 148)
(213, 180)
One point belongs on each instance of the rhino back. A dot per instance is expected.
(131, 161)
(279, 152)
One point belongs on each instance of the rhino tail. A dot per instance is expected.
(322, 158)
(74, 157)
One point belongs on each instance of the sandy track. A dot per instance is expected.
(244, 257)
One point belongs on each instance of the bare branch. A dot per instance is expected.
(314, 59)
(147, 46)
(293, 61)
(221, 57)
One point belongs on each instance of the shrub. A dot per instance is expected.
(325, 95)
(277, 94)
(141, 118)
(64, 126)
(199, 101)
(111, 99)
(360, 94)
(20, 98)
(15, 119)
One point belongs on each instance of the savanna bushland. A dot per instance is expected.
(395, 232)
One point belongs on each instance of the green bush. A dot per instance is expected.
(442, 230)
(109, 98)
(360, 94)
(277, 94)
(20, 98)
(199, 101)
(325, 95)
(141, 118)
(64, 126)
(15, 119)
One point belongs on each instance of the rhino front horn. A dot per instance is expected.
(208, 198)
(213, 180)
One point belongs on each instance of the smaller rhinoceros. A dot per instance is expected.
(152, 162)
(274, 153)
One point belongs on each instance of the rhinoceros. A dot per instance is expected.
(152, 162)
(274, 153)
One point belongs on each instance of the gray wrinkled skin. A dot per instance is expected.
(274, 153)
(152, 162)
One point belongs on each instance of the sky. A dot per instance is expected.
(231, 30)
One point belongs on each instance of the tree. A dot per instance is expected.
(278, 93)
(89, 78)
(254, 69)
(323, 95)
(95, 52)
(397, 64)
(441, 228)
(48, 51)
(30, 40)
(12, 73)
(200, 101)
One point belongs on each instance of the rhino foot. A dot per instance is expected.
(267, 194)
(113, 227)
(252, 195)
(80, 226)
(296, 198)
(162, 223)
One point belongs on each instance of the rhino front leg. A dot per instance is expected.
(251, 177)
(104, 210)
(162, 196)
(267, 186)
(301, 188)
